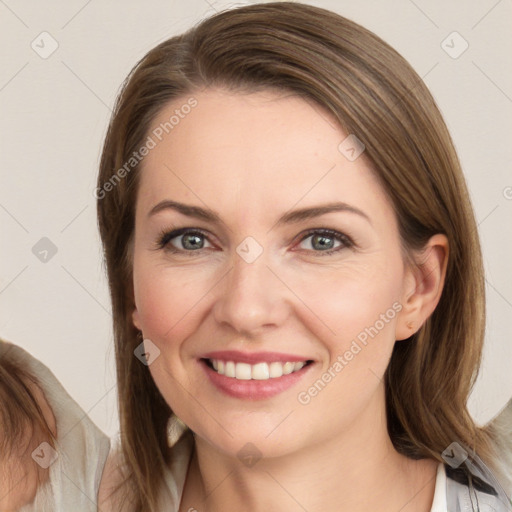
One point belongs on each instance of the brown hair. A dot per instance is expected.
(23, 425)
(376, 95)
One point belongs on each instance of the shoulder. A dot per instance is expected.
(474, 481)
(176, 472)
(114, 489)
(501, 430)
(32, 396)
(26, 420)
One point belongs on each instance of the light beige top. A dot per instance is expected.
(81, 448)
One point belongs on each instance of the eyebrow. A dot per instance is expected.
(291, 217)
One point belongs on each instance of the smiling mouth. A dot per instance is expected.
(258, 371)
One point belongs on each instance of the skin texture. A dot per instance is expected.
(252, 158)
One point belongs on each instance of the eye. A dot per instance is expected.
(323, 241)
(184, 240)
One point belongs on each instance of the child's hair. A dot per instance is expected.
(500, 430)
(22, 422)
(375, 94)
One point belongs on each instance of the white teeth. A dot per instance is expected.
(243, 371)
(276, 370)
(259, 371)
(288, 368)
(229, 370)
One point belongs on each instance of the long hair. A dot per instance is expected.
(375, 94)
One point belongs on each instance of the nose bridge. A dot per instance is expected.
(251, 296)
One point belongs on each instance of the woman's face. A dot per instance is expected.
(248, 273)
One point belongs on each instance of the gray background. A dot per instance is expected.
(55, 110)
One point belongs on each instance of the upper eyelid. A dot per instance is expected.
(180, 232)
(301, 236)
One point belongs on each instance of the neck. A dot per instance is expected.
(358, 471)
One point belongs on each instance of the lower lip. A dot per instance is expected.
(254, 389)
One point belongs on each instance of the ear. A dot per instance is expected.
(136, 318)
(135, 311)
(131, 300)
(423, 286)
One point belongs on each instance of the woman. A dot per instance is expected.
(295, 274)
(51, 454)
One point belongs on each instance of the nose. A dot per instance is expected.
(251, 298)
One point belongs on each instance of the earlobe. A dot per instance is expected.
(423, 286)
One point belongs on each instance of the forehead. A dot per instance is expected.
(244, 128)
(256, 149)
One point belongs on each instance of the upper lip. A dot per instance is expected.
(253, 357)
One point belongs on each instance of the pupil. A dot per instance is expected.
(194, 245)
(321, 239)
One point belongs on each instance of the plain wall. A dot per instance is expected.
(54, 113)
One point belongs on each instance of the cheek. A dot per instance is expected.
(168, 306)
(346, 303)
(167, 300)
(358, 354)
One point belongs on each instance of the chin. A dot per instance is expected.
(249, 439)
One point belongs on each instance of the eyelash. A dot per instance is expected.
(166, 236)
